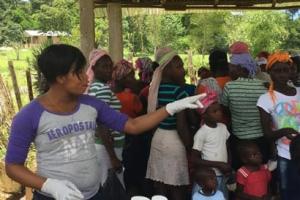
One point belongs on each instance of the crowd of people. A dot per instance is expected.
(233, 135)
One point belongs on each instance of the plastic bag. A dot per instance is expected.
(113, 189)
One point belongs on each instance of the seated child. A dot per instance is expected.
(207, 180)
(252, 178)
(210, 141)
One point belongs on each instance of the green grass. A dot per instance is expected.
(20, 67)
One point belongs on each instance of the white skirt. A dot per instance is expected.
(167, 161)
(105, 164)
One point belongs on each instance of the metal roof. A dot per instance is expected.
(204, 4)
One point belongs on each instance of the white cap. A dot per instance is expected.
(159, 197)
(139, 198)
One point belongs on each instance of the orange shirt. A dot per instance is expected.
(131, 105)
(223, 80)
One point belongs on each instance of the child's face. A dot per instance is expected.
(214, 112)
(253, 156)
(74, 83)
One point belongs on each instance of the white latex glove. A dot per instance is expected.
(192, 102)
(61, 190)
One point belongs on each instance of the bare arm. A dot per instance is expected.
(24, 176)
(266, 122)
(228, 153)
(198, 161)
(193, 121)
(104, 133)
(183, 129)
(145, 122)
(149, 121)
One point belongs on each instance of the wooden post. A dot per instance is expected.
(114, 12)
(15, 84)
(28, 193)
(29, 84)
(87, 26)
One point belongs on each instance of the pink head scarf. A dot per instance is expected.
(144, 65)
(163, 57)
(122, 69)
(94, 56)
(211, 97)
(239, 48)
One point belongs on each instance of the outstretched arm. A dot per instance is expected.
(145, 122)
(266, 122)
(150, 120)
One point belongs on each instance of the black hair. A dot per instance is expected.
(296, 60)
(218, 62)
(175, 61)
(154, 65)
(104, 61)
(58, 60)
(243, 148)
(202, 69)
(202, 172)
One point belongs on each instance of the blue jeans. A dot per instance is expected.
(289, 179)
(221, 186)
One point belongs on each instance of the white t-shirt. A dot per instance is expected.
(217, 196)
(212, 143)
(285, 112)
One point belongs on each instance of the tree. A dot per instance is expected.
(293, 41)
(10, 31)
(59, 15)
(207, 31)
(101, 32)
(262, 30)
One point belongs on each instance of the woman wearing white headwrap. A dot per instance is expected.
(167, 164)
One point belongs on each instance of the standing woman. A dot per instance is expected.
(167, 165)
(109, 144)
(61, 123)
(279, 110)
(123, 82)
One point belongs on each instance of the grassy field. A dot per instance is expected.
(20, 67)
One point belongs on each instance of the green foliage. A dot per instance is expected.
(144, 33)
(57, 15)
(262, 30)
(293, 40)
(40, 83)
(10, 30)
(207, 31)
(101, 32)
